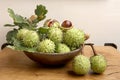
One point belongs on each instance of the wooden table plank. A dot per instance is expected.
(15, 65)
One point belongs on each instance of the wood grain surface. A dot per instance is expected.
(16, 65)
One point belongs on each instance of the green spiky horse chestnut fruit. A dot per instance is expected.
(21, 33)
(62, 48)
(81, 65)
(55, 34)
(98, 62)
(31, 38)
(46, 46)
(74, 37)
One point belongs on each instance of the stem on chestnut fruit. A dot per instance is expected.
(93, 49)
(82, 52)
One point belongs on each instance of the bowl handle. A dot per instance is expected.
(4, 45)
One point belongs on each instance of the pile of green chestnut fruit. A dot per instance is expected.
(81, 64)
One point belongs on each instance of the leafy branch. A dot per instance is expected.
(23, 22)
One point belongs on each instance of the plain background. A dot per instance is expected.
(99, 18)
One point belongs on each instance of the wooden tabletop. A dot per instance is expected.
(15, 65)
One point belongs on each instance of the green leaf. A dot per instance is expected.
(18, 19)
(23, 22)
(10, 35)
(11, 13)
(19, 46)
(43, 30)
(10, 25)
(41, 12)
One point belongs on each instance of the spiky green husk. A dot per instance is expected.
(98, 63)
(47, 46)
(51, 23)
(55, 34)
(30, 39)
(21, 33)
(81, 65)
(62, 48)
(74, 37)
(55, 24)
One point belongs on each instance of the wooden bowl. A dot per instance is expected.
(52, 58)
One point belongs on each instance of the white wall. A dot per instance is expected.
(99, 18)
